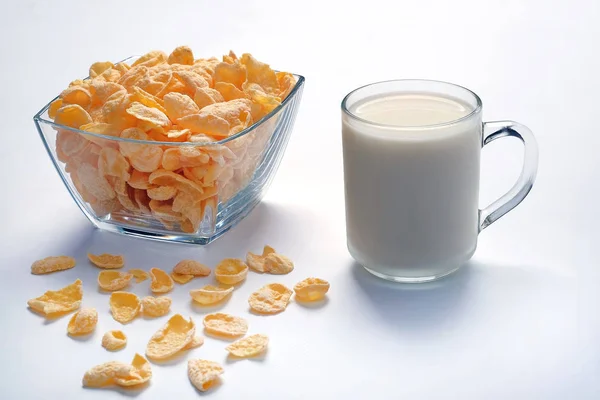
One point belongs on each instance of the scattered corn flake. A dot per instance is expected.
(141, 373)
(311, 289)
(191, 267)
(156, 306)
(278, 264)
(114, 340)
(231, 271)
(105, 374)
(113, 280)
(139, 274)
(124, 306)
(182, 279)
(173, 337)
(270, 299)
(250, 346)
(107, 261)
(257, 262)
(221, 324)
(161, 281)
(53, 303)
(204, 374)
(52, 264)
(210, 294)
(83, 321)
(118, 373)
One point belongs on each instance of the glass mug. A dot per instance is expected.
(411, 176)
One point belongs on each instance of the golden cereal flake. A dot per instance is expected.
(270, 299)
(114, 340)
(141, 373)
(311, 289)
(173, 337)
(231, 271)
(53, 303)
(257, 262)
(191, 267)
(182, 279)
(161, 281)
(110, 280)
(107, 261)
(278, 264)
(210, 294)
(139, 274)
(124, 306)
(204, 374)
(221, 324)
(250, 346)
(52, 264)
(83, 322)
(156, 306)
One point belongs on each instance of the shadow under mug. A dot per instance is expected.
(412, 192)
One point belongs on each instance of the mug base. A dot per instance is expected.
(406, 279)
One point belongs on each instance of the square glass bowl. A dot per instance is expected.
(208, 201)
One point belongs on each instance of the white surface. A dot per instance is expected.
(520, 322)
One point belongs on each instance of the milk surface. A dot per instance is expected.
(411, 183)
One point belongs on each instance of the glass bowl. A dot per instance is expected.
(207, 188)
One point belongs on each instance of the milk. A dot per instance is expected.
(411, 183)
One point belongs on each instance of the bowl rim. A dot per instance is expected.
(299, 83)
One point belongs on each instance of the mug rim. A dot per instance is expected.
(475, 111)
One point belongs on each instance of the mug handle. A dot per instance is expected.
(495, 130)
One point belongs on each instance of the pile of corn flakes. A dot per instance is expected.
(171, 99)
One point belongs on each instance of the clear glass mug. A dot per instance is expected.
(412, 191)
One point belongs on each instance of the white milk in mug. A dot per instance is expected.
(411, 166)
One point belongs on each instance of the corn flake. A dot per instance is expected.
(139, 274)
(99, 67)
(221, 324)
(173, 337)
(156, 306)
(210, 294)
(181, 55)
(161, 281)
(278, 264)
(105, 374)
(148, 118)
(124, 306)
(113, 280)
(53, 303)
(311, 289)
(72, 115)
(204, 374)
(83, 322)
(119, 373)
(179, 105)
(114, 340)
(270, 299)
(257, 262)
(107, 261)
(191, 267)
(231, 271)
(250, 346)
(52, 264)
(182, 279)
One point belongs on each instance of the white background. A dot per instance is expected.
(520, 321)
